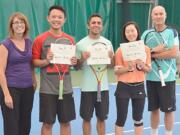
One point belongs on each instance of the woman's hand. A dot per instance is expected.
(34, 84)
(8, 101)
(140, 64)
(131, 66)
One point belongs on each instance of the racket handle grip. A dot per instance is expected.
(60, 97)
(162, 78)
(61, 90)
(99, 97)
(99, 92)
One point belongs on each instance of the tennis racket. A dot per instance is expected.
(99, 68)
(61, 69)
(153, 39)
(98, 72)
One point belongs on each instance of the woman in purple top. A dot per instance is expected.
(17, 77)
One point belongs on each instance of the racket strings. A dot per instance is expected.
(98, 72)
(99, 47)
(63, 40)
(62, 67)
(61, 73)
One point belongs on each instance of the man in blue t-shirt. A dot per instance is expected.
(164, 55)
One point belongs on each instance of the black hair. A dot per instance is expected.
(124, 28)
(94, 15)
(58, 7)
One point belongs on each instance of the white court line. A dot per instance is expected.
(146, 128)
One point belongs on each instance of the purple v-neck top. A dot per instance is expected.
(18, 69)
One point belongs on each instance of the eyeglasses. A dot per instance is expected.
(18, 23)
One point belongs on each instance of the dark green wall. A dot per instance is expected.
(173, 12)
(78, 11)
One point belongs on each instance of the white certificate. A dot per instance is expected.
(62, 53)
(98, 54)
(133, 51)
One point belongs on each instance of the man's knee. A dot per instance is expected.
(65, 125)
(47, 126)
(100, 120)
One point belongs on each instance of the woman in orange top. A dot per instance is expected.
(130, 76)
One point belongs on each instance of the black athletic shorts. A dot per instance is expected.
(50, 106)
(161, 97)
(89, 103)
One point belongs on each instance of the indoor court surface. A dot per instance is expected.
(76, 124)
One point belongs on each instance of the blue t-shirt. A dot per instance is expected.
(170, 38)
(18, 69)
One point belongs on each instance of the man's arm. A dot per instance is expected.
(166, 54)
(112, 57)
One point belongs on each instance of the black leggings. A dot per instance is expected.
(17, 121)
(122, 110)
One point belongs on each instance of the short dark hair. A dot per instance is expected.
(58, 7)
(124, 28)
(94, 15)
